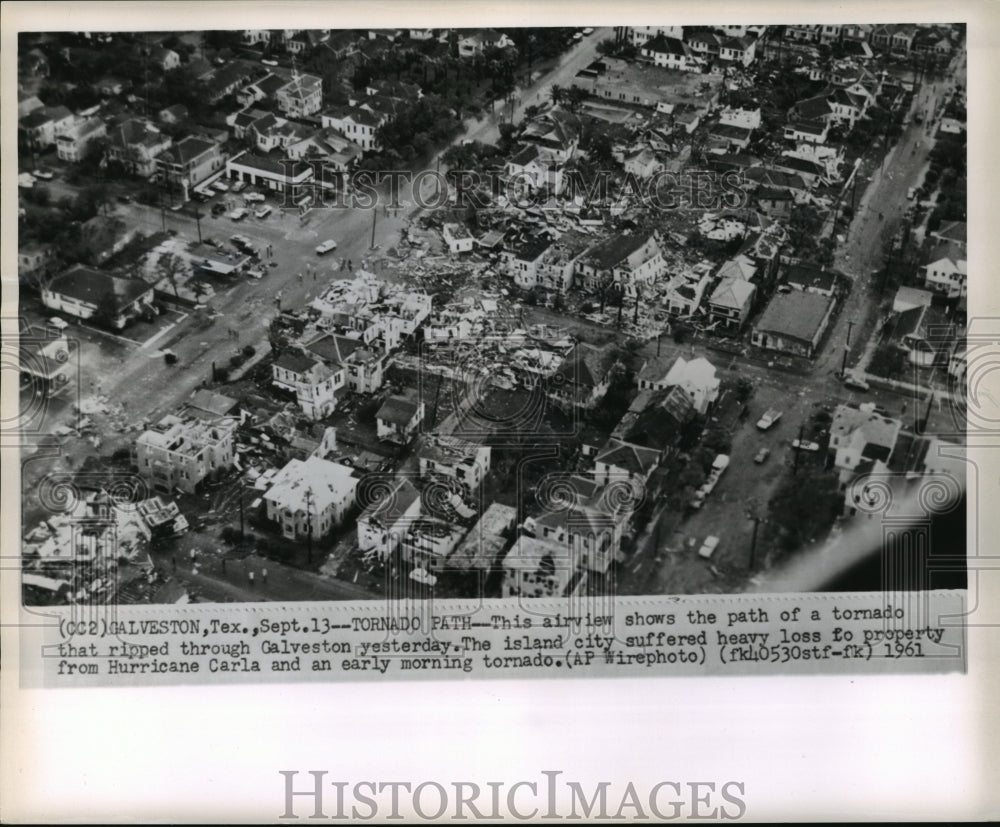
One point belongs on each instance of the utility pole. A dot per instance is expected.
(753, 541)
(309, 533)
(197, 219)
(847, 345)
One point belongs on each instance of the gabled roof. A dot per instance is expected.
(663, 44)
(956, 231)
(614, 250)
(397, 410)
(732, 293)
(295, 361)
(809, 275)
(587, 365)
(393, 505)
(93, 286)
(635, 459)
(188, 149)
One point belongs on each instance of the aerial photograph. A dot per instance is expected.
(330, 314)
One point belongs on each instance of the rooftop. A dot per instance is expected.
(796, 315)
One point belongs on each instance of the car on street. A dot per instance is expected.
(578, 36)
(856, 382)
(239, 213)
(253, 198)
(263, 212)
(709, 546)
(256, 273)
(762, 455)
(805, 445)
(588, 31)
(218, 209)
(326, 247)
(220, 186)
(768, 420)
(211, 242)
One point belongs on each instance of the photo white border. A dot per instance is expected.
(823, 748)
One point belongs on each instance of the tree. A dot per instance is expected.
(802, 509)
(106, 313)
(170, 266)
(607, 47)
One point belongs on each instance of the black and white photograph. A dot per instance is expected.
(329, 314)
(417, 370)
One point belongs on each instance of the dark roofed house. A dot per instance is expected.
(812, 279)
(793, 322)
(583, 377)
(399, 418)
(191, 160)
(619, 459)
(85, 293)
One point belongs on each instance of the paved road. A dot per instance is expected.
(250, 306)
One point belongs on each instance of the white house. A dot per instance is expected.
(310, 497)
(696, 377)
(458, 238)
(398, 419)
(463, 462)
(947, 269)
(314, 383)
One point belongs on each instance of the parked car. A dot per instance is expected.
(218, 209)
(253, 198)
(708, 547)
(856, 382)
(326, 247)
(239, 186)
(805, 445)
(44, 174)
(220, 186)
(588, 31)
(201, 195)
(762, 455)
(242, 242)
(264, 211)
(769, 419)
(239, 213)
(256, 273)
(911, 193)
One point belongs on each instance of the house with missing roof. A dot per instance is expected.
(793, 322)
(85, 293)
(462, 463)
(385, 521)
(583, 377)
